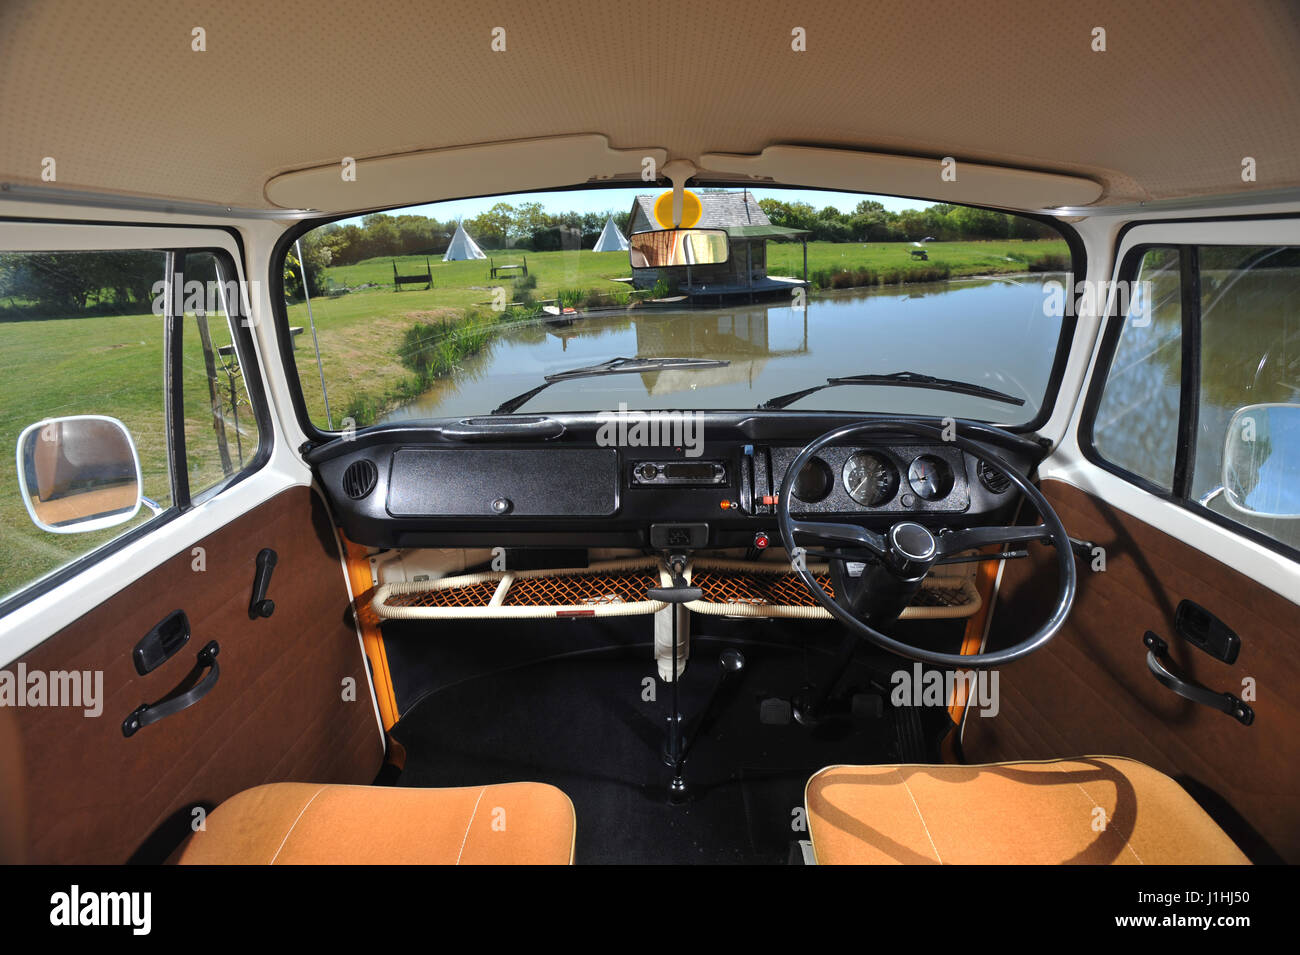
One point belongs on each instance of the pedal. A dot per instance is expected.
(775, 711)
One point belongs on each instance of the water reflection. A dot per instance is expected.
(990, 332)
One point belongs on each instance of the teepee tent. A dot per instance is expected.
(611, 240)
(462, 246)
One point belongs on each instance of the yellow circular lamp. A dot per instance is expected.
(692, 209)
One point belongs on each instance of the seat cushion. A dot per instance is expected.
(306, 823)
(1091, 810)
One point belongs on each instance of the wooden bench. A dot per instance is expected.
(399, 280)
(495, 270)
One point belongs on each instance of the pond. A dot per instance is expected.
(992, 332)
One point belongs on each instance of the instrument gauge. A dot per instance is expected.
(814, 482)
(870, 478)
(930, 477)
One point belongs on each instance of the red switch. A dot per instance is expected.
(760, 540)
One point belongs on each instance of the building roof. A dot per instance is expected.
(762, 231)
(719, 210)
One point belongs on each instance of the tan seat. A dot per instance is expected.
(309, 824)
(1091, 810)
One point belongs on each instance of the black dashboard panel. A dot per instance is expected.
(433, 487)
(529, 482)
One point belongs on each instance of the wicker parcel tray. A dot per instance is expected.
(619, 588)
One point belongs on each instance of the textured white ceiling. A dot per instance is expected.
(114, 93)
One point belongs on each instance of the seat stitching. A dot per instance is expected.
(920, 815)
(469, 824)
(1127, 843)
(294, 824)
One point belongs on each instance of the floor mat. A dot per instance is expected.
(581, 721)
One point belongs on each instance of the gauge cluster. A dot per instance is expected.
(887, 479)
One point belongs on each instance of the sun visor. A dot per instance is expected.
(432, 175)
(944, 180)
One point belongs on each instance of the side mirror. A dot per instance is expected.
(1261, 458)
(661, 248)
(79, 473)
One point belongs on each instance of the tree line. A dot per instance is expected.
(870, 221)
(527, 227)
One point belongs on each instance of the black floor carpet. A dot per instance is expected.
(578, 718)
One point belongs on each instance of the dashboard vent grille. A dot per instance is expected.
(360, 478)
(994, 480)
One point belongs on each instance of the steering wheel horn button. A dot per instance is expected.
(911, 546)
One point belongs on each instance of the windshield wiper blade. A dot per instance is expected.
(899, 379)
(615, 366)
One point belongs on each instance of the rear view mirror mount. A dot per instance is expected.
(79, 473)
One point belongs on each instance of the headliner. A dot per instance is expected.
(113, 92)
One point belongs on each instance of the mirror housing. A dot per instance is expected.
(665, 248)
(79, 473)
(1261, 458)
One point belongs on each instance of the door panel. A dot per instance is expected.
(276, 713)
(1089, 691)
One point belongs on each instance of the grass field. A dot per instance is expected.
(113, 364)
(110, 365)
(464, 283)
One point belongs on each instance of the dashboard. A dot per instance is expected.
(522, 481)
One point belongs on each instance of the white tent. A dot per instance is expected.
(611, 240)
(462, 246)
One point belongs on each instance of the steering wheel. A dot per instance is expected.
(896, 562)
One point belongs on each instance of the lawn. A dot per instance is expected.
(109, 365)
(465, 283)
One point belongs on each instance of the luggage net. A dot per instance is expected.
(739, 588)
(615, 588)
(619, 588)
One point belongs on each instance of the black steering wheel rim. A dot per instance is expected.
(1067, 577)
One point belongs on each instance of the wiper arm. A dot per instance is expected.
(615, 366)
(899, 379)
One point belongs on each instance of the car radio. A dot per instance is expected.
(679, 473)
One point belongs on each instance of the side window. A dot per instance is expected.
(1235, 316)
(221, 434)
(1136, 426)
(1250, 357)
(84, 406)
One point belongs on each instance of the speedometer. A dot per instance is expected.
(870, 478)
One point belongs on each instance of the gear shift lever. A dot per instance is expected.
(732, 662)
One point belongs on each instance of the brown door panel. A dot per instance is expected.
(1089, 691)
(276, 713)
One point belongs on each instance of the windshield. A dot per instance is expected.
(867, 303)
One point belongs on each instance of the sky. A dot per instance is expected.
(620, 200)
